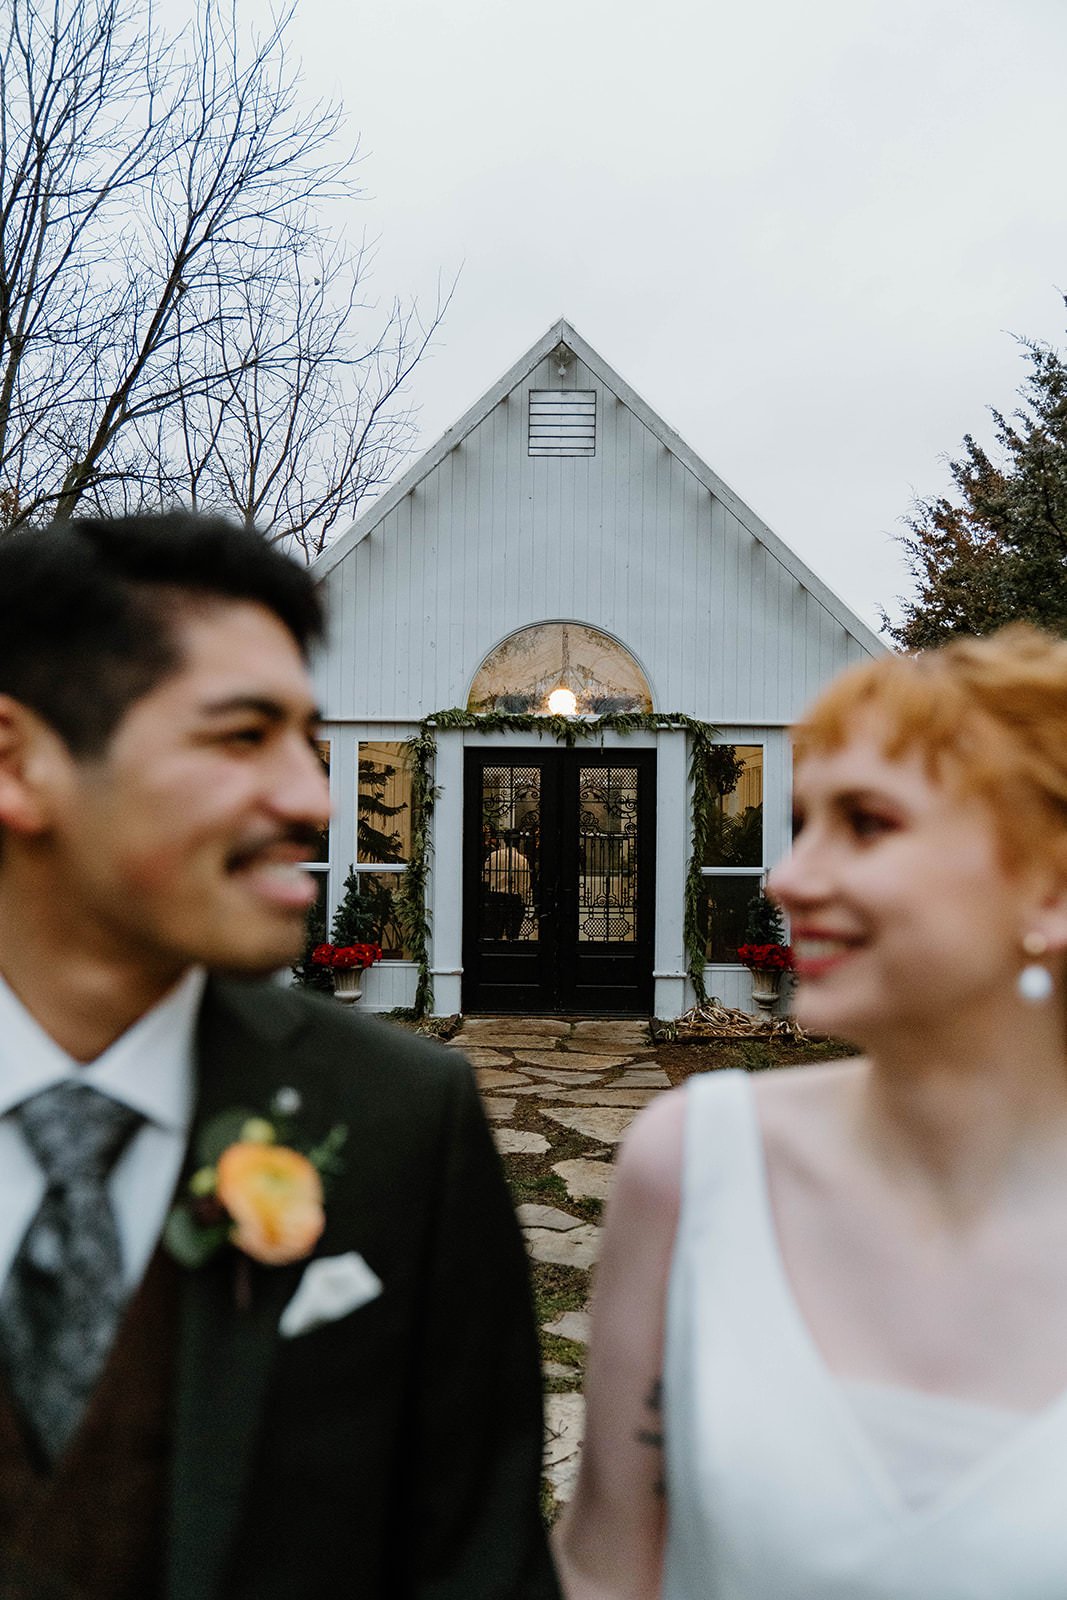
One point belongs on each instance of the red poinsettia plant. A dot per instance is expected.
(346, 957)
(766, 957)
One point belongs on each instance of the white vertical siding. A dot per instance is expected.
(630, 540)
(389, 985)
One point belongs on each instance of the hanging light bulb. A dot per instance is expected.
(563, 702)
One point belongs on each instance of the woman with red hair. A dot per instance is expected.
(829, 1355)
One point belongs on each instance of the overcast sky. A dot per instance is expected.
(805, 233)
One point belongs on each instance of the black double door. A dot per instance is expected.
(559, 854)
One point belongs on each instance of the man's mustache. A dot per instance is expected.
(302, 836)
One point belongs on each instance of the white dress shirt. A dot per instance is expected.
(150, 1068)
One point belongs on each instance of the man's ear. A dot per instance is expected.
(30, 754)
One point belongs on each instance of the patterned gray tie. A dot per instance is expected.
(64, 1295)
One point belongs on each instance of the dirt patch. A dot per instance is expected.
(680, 1059)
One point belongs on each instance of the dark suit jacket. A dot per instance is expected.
(396, 1451)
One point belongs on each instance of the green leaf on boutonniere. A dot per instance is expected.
(326, 1157)
(189, 1242)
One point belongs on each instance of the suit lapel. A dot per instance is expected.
(225, 1351)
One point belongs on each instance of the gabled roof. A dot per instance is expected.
(563, 332)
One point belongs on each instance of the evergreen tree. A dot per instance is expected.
(354, 920)
(764, 925)
(999, 554)
(304, 970)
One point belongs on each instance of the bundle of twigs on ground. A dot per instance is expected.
(713, 1020)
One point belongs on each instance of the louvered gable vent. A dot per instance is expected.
(562, 422)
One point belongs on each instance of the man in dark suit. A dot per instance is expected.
(354, 1413)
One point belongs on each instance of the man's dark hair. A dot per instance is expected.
(88, 609)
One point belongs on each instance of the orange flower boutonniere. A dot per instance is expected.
(274, 1196)
(254, 1190)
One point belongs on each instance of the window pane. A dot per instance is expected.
(383, 829)
(322, 852)
(521, 673)
(724, 912)
(382, 889)
(734, 836)
(316, 917)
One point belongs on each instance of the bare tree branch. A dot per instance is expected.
(175, 321)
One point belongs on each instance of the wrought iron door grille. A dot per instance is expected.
(511, 862)
(607, 855)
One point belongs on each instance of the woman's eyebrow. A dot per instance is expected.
(864, 796)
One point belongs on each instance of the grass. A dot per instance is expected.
(549, 1189)
(550, 1506)
(558, 1289)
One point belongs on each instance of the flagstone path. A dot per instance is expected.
(556, 1088)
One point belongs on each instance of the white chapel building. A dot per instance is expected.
(561, 544)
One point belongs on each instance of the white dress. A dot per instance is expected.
(776, 1488)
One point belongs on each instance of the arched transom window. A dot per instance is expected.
(560, 666)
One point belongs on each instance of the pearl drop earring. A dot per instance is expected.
(1034, 982)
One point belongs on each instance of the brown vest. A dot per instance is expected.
(92, 1528)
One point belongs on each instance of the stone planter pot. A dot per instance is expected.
(348, 985)
(765, 988)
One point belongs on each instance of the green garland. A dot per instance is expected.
(411, 899)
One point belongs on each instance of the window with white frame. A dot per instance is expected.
(383, 835)
(732, 850)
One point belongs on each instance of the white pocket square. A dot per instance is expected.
(330, 1288)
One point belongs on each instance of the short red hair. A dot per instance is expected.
(989, 715)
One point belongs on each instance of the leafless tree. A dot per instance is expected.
(176, 322)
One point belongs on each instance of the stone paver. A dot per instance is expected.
(564, 1426)
(575, 1248)
(579, 1060)
(591, 1077)
(643, 1078)
(493, 1078)
(585, 1179)
(481, 1058)
(606, 1123)
(498, 1110)
(606, 1047)
(547, 1091)
(623, 1095)
(571, 1325)
(515, 1142)
(502, 1042)
(546, 1027)
(532, 1215)
(628, 1029)
(568, 1078)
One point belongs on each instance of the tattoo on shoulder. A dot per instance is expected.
(653, 1436)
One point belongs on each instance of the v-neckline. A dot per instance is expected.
(961, 1488)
